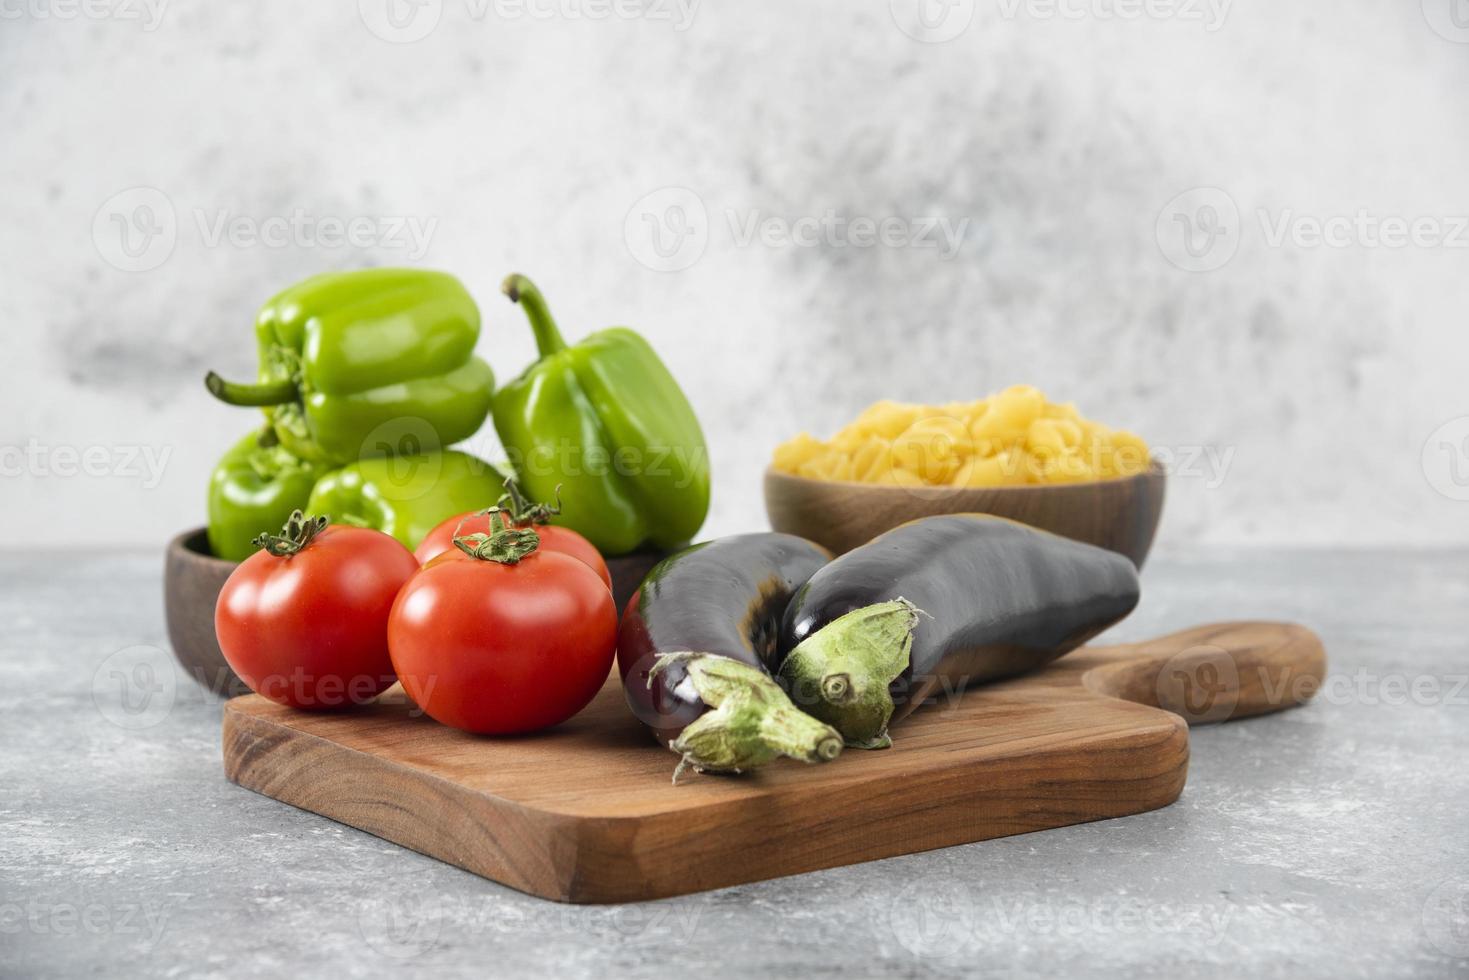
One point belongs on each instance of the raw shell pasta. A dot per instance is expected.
(1012, 438)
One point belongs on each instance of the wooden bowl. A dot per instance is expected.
(192, 578)
(1120, 514)
(629, 571)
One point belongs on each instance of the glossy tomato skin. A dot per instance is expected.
(503, 649)
(310, 630)
(553, 538)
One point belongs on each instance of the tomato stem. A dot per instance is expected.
(297, 534)
(505, 545)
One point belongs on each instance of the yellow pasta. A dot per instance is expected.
(1012, 438)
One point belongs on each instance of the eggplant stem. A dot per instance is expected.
(751, 721)
(842, 673)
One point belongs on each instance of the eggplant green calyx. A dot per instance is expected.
(752, 721)
(506, 545)
(522, 510)
(297, 534)
(842, 673)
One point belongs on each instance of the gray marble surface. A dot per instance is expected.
(1325, 842)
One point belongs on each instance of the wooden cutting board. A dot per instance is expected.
(587, 812)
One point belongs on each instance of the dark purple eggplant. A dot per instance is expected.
(942, 601)
(697, 642)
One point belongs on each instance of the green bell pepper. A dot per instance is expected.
(368, 363)
(406, 496)
(606, 422)
(254, 488)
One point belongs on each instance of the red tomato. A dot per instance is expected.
(500, 649)
(553, 538)
(310, 630)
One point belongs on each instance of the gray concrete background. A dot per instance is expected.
(1071, 145)
(1324, 842)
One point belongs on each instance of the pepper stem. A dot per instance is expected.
(752, 721)
(521, 290)
(523, 512)
(251, 395)
(506, 545)
(842, 672)
(297, 534)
